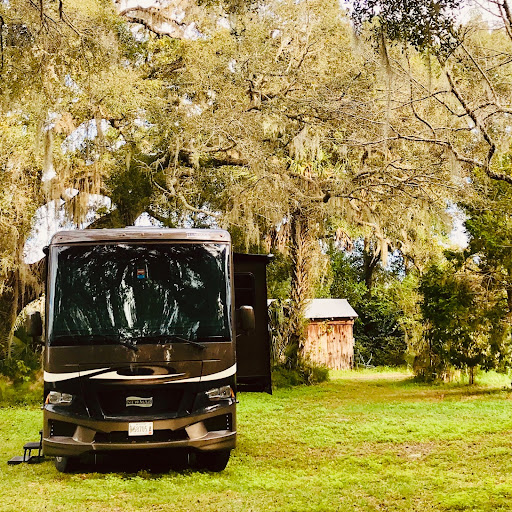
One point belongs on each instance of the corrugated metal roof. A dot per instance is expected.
(329, 308)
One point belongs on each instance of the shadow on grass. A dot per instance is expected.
(455, 390)
(392, 387)
(135, 463)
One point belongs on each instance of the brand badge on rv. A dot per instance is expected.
(137, 401)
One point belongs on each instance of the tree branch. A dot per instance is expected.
(178, 195)
(482, 72)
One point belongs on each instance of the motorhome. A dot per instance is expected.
(140, 352)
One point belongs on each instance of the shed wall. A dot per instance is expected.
(331, 343)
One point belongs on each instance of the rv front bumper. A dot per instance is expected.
(70, 436)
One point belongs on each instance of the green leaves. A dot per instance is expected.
(464, 323)
(426, 25)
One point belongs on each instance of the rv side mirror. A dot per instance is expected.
(35, 325)
(246, 318)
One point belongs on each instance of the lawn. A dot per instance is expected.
(363, 441)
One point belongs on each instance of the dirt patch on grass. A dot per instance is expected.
(407, 451)
(415, 451)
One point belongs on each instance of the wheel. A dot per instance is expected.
(64, 464)
(213, 461)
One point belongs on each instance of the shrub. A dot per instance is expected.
(21, 393)
(306, 373)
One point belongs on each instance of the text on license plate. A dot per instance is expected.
(140, 429)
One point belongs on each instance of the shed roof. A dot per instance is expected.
(329, 308)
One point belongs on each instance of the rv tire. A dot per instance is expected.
(64, 464)
(213, 461)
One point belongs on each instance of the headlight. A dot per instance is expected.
(220, 393)
(58, 398)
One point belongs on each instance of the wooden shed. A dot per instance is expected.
(330, 333)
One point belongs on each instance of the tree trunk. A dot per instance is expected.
(370, 261)
(301, 259)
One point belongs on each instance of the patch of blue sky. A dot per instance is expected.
(53, 217)
(87, 131)
(458, 236)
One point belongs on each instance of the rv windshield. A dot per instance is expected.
(130, 294)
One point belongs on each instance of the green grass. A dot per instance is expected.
(364, 441)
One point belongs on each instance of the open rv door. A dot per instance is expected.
(253, 348)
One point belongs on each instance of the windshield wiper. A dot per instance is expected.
(213, 338)
(172, 337)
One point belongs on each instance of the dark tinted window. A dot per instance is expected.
(104, 293)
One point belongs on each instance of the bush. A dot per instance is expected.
(16, 370)
(21, 378)
(466, 323)
(306, 373)
(21, 393)
(25, 358)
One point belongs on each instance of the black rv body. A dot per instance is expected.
(253, 346)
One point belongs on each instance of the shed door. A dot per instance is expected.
(253, 349)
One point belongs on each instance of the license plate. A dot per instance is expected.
(140, 429)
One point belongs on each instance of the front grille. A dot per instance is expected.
(159, 436)
(166, 400)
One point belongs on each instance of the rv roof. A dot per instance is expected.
(138, 234)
